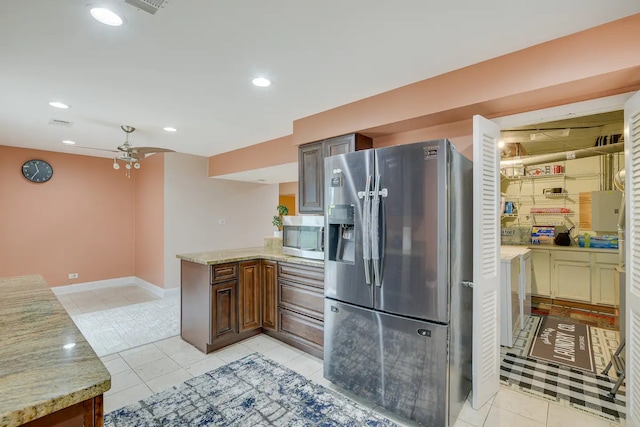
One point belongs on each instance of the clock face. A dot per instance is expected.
(37, 171)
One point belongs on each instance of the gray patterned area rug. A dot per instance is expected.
(252, 391)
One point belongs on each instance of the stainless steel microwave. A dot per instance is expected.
(303, 236)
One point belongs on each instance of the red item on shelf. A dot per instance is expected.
(550, 210)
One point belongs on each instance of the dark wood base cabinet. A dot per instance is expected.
(269, 295)
(226, 303)
(210, 302)
(89, 413)
(301, 307)
(303, 332)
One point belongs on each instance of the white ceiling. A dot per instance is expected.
(190, 65)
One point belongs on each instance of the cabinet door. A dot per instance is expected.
(572, 280)
(269, 295)
(346, 144)
(603, 278)
(224, 322)
(340, 145)
(249, 296)
(311, 178)
(540, 273)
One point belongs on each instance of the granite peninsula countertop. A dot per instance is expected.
(38, 376)
(244, 254)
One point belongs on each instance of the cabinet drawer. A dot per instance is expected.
(301, 298)
(312, 276)
(571, 256)
(224, 272)
(606, 258)
(303, 329)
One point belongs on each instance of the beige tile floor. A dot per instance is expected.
(139, 372)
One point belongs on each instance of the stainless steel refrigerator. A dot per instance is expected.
(398, 266)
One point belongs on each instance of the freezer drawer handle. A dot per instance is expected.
(334, 309)
(424, 332)
(467, 283)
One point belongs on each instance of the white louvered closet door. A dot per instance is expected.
(486, 261)
(632, 251)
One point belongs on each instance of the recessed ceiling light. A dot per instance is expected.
(57, 104)
(67, 142)
(170, 129)
(261, 82)
(106, 16)
(70, 345)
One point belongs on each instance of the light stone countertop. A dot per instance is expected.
(37, 375)
(244, 254)
(573, 248)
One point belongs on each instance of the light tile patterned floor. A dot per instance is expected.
(121, 328)
(105, 298)
(139, 372)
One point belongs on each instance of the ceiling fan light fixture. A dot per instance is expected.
(136, 165)
(170, 129)
(57, 104)
(106, 16)
(116, 166)
(261, 82)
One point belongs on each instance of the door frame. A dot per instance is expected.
(576, 109)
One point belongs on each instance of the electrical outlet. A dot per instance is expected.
(73, 275)
(221, 221)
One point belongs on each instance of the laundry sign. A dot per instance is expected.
(563, 342)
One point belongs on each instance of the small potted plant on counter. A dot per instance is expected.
(277, 220)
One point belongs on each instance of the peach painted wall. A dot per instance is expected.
(459, 133)
(270, 153)
(149, 220)
(288, 187)
(81, 221)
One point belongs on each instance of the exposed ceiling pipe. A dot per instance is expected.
(567, 155)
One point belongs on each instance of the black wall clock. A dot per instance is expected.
(37, 170)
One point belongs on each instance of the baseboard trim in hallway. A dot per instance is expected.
(112, 283)
(91, 286)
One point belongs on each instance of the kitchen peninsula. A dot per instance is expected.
(231, 295)
(49, 374)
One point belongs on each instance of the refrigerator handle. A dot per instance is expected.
(375, 232)
(366, 224)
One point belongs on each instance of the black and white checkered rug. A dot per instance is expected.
(580, 389)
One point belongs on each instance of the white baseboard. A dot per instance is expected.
(120, 281)
(156, 290)
(172, 292)
(90, 286)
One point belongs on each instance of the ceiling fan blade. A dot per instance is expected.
(150, 150)
(94, 148)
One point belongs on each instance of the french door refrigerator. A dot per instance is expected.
(398, 265)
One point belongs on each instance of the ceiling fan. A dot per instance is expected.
(129, 154)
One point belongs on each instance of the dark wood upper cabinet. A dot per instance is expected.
(249, 296)
(310, 178)
(224, 322)
(270, 295)
(346, 144)
(311, 167)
